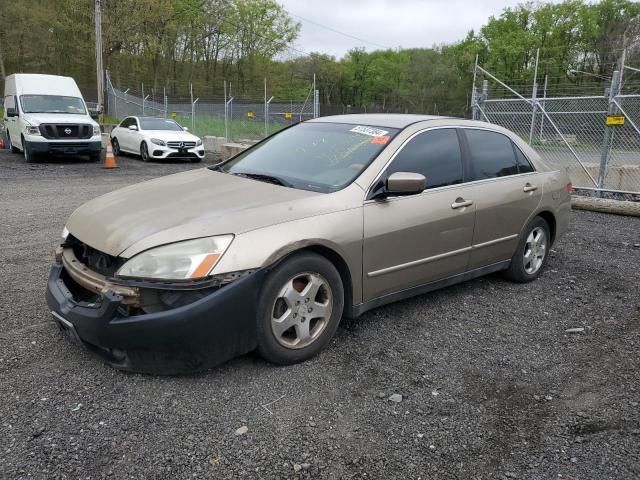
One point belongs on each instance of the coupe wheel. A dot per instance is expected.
(531, 253)
(115, 146)
(299, 310)
(144, 152)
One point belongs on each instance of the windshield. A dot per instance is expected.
(52, 104)
(323, 157)
(159, 124)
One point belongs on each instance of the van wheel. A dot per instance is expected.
(531, 253)
(26, 150)
(299, 309)
(144, 152)
(10, 145)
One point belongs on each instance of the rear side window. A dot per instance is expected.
(524, 166)
(492, 154)
(435, 154)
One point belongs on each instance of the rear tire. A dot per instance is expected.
(299, 309)
(532, 252)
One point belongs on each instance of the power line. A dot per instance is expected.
(339, 32)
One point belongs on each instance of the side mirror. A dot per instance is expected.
(405, 183)
(12, 112)
(133, 128)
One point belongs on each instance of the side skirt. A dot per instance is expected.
(357, 310)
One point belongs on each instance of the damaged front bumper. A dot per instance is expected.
(211, 330)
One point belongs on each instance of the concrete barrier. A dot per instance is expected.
(619, 177)
(213, 144)
(228, 150)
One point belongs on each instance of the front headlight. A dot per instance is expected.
(189, 260)
(198, 142)
(96, 130)
(65, 233)
(157, 141)
(31, 130)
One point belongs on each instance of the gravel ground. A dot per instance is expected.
(492, 385)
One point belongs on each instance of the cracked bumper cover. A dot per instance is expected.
(193, 337)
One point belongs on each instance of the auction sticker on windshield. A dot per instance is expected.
(371, 131)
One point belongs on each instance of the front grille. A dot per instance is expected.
(179, 145)
(53, 131)
(97, 261)
(61, 147)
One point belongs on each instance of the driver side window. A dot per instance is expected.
(435, 154)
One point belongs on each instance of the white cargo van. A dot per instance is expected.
(46, 114)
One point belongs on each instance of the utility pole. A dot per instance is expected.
(99, 71)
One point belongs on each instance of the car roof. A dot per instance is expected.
(391, 120)
(151, 118)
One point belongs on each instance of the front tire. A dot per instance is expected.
(26, 150)
(299, 310)
(144, 152)
(532, 252)
(115, 147)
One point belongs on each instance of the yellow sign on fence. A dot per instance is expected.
(615, 120)
(250, 115)
(288, 116)
(174, 115)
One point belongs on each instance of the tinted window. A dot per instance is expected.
(126, 122)
(492, 154)
(435, 154)
(524, 166)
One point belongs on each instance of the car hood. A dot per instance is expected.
(168, 135)
(36, 119)
(188, 205)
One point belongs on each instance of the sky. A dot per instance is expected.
(388, 23)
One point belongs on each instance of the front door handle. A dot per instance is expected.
(460, 203)
(529, 188)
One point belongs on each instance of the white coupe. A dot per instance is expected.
(156, 139)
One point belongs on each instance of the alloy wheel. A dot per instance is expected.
(535, 250)
(301, 310)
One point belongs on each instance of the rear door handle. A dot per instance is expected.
(529, 188)
(460, 203)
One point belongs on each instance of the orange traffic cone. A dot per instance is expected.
(109, 159)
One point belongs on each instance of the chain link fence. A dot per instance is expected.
(235, 118)
(594, 138)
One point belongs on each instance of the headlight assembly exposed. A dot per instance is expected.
(188, 260)
(157, 141)
(96, 130)
(198, 142)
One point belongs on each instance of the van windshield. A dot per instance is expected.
(52, 104)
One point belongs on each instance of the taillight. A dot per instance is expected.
(569, 187)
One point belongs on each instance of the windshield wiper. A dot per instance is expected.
(264, 178)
